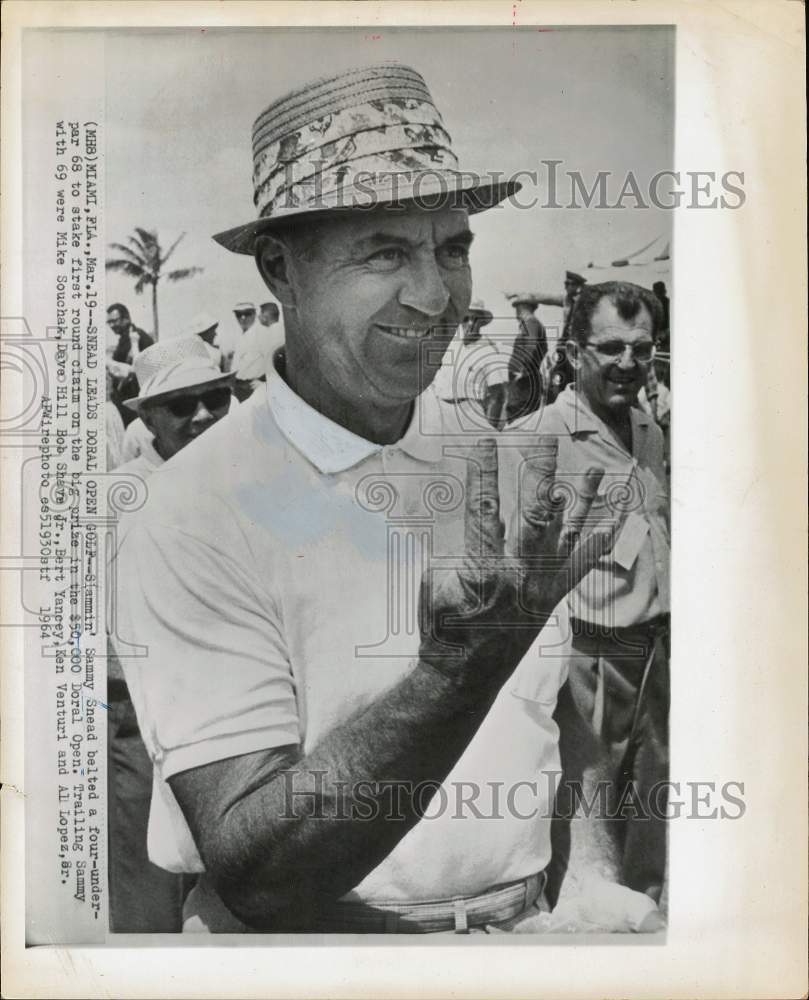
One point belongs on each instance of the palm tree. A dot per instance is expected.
(144, 261)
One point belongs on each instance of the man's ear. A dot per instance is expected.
(272, 261)
(573, 353)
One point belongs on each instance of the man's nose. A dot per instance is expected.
(627, 359)
(202, 414)
(425, 290)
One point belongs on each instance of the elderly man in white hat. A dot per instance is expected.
(182, 394)
(338, 758)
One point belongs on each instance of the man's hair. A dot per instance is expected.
(121, 309)
(628, 299)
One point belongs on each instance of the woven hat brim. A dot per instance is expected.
(460, 192)
(134, 403)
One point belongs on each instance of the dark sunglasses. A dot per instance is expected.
(186, 406)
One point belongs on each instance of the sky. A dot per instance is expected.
(180, 106)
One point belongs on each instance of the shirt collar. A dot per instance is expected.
(332, 448)
(579, 418)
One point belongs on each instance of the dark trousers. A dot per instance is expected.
(613, 719)
(143, 897)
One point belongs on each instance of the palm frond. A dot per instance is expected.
(125, 266)
(151, 248)
(129, 254)
(183, 272)
(171, 249)
(139, 247)
(146, 236)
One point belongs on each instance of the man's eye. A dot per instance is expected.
(387, 259)
(454, 255)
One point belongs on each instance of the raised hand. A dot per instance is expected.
(478, 619)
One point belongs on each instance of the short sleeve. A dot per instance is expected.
(213, 679)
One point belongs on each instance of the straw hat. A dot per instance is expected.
(169, 365)
(365, 137)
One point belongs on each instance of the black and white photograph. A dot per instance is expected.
(354, 501)
(297, 768)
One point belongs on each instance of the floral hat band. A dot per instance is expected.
(369, 136)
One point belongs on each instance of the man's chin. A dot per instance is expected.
(620, 401)
(407, 387)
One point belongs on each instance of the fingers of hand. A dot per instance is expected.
(535, 514)
(585, 495)
(483, 529)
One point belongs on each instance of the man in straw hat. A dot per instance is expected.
(182, 394)
(328, 732)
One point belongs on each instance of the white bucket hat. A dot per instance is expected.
(365, 137)
(182, 363)
(200, 324)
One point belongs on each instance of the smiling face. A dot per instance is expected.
(372, 286)
(611, 381)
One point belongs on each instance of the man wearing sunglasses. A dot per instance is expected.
(613, 713)
(182, 394)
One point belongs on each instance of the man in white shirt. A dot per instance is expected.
(245, 313)
(335, 748)
(619, 613)
(255, 348)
